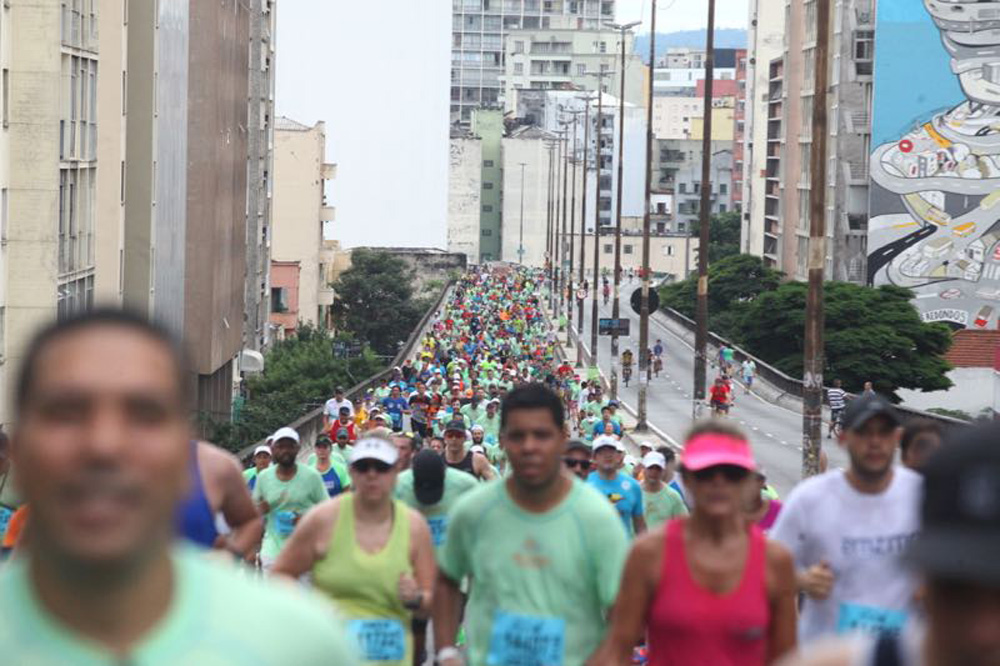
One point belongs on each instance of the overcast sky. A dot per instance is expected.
(380, 80)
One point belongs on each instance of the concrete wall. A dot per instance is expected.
(299, 157)
(974, 390)
(464, 192)
(535, 157)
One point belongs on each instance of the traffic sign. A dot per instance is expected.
(636, 301)
(608, 326)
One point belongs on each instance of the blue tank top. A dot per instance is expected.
(332, 482)
(195, 520)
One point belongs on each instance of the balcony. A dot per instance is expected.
(327, 214)
(329, 171)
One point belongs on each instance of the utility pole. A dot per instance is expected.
(549, 236)
(570, 291)
(642, 424)
(597, 214)
(561, 250)
(616, 305)
(812, 404)
(558, 238)
(701, 311)
(520, 237)
(583, 228)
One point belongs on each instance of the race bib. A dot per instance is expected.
(869, 619)
(439, 528)
(284, 523)
(379, 640)
(5, 515)
(526, 640)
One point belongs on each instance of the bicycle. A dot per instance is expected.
(626, 374)
(836, 423)
(657, 365)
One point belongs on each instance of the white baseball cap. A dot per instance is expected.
(375, 448)
(605, 441)
(285, 433)
(646, 445)
(654, 459)
(476, 428)
(263, 448)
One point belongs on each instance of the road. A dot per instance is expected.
(775, 432)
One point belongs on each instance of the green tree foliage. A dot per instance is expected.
(724, 235)
(300, 374)
(375, 300)
(870, 335)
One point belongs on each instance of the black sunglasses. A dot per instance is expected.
(731, 473)
(362, 466)
(574, 462)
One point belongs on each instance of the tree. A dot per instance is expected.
(733, 283)
(375, 300)
(724, 235)
(870, 335)
(300, 374)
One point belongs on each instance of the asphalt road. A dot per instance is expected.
(774, 431)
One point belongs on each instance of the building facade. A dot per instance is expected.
(479, 30)
(677, 179)
(300, 292)
(465, 188)
(739, 127)
(525, 199)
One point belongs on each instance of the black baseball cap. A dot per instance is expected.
(578, 444)
(428, 476)
(960, 512)
(864, 408)
(455, 425)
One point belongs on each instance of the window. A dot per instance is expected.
(608, 248)
(604, 68)
(279, 299)
(581, 70)
(4, 211)
(864, 51)
(519, 68)
(5, 93)
(626, 249)
(487, 232)
(723, 188)
(487, 208)
(682, 188)
(722, 208)
(487, 163)
(670, 250)
(518, 46)
(603, 47)
(487, 186)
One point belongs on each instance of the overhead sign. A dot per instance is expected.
(636, 301)
(609, 326)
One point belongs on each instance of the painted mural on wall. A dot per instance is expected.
(934, 221)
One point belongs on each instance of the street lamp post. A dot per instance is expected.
(570, 292)
(520, 239)
(644, 360)
(616, 305)
(583, 227)
(549, 235)
(597, 214)
(561, 247)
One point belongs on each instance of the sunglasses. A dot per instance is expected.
(730, 473)
(574, 462)
(363, 466)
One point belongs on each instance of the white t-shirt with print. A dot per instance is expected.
(861, 536)
(333, 406)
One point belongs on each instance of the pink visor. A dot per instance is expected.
(711, 449)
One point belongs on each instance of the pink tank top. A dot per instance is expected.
(691, 625)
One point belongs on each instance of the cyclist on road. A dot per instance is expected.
(836, 397)
(720, 397)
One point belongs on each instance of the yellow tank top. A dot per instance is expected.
(364, 586)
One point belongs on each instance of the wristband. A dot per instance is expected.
(414, 604)
(449, 652)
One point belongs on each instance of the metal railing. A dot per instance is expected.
(310, 426)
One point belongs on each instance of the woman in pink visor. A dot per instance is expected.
(708, 588)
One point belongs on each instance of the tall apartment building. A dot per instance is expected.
(260, 170)
(564, 58)
(680, 70)
(739, 127)
(778, 226)
(300, 291)
(479, 30)
(676, 174)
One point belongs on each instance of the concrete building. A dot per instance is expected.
(670, 255)
(739, 127)
(679, 71)
(465, 188)
(479, 31)
(185, 236)
(563, 57)
(672, 116)
(527, 147)
(723, 121)
(299, 290)
(778, 224)
(260, 170)
(677, 173)
(487, 125)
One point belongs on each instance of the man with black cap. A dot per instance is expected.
(847, 529)
(431, 487)
(956, 552)
(456, 455)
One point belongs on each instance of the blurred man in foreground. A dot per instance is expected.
(101, 446)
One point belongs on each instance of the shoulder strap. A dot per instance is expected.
(887, 651)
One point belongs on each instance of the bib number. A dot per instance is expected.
(284, 523)
(439, 529)
(379, 640)
(526, 640)
(856, 617)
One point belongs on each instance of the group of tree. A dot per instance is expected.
(870, 334)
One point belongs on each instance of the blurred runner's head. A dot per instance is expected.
(102, 441)
(717, 464)
(533, 434)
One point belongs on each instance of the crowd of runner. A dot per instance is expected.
(482, 499)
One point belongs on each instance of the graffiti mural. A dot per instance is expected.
(934, 221)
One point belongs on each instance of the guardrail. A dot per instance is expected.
(310, 425)
(785, 384)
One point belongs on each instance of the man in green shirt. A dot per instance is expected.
(284, 492)
(660, 502)
(545, 551)
(102, 449)
(261, 461)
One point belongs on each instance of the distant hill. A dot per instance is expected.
(725, 38)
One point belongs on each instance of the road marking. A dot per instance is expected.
(769, 435)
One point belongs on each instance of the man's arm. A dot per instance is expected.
(300, 551)
(446, 608)
(239, 510)
(638, 512)
(482, 467)
(782, 592)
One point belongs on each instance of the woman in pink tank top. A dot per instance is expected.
(710, 589)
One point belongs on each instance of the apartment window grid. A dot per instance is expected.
(78, 125)
(76, 220)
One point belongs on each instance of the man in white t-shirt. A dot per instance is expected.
(847, 529)
(331, 411)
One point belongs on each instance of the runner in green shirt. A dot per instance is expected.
(545, 552)
(660, 502)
